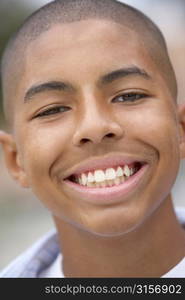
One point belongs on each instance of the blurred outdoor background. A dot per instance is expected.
(22, 218)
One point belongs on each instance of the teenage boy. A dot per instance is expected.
(90, 98)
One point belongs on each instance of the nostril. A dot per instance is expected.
(83, 141)
(110, 135)
(86, 140)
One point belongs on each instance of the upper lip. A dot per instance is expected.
(102, 163)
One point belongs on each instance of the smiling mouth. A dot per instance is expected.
(102, 178)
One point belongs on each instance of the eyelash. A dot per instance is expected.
(128, 97)
(52, 111)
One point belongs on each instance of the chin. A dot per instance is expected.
(110, 232)
(118, 227)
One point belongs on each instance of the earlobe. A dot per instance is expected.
(181, 112)
(12, 159)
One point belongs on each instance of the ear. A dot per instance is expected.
(12, 159)
(181, 112)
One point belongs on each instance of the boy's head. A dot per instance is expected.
(88, 87)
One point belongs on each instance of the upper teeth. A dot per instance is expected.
(99, 176)
(103, 175)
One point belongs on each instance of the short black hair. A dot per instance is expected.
(67, 11)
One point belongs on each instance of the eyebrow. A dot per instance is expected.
(123, 72)
(105, 79)
(47, 86)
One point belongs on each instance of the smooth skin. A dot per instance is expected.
(55, 129)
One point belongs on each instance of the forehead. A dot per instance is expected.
(81, 52)
(85, 44)
(82, 32)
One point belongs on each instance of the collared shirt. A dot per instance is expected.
(44, 258)
(34, 260)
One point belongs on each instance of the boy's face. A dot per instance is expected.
(83, 115)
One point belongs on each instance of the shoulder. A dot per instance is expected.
(178, 271)
(35, 259)
(180, 213)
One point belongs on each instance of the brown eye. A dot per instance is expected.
(129, 97)
(52, 111)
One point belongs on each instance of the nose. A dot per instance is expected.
(96, 125)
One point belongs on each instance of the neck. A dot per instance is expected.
(145, 252)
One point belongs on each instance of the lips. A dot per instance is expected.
(101, 164)
(105, 194)
(108, 195)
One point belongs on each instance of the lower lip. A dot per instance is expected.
(108, 195)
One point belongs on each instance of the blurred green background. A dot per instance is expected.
(22, 218)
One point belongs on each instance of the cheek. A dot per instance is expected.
(157, 128)
(154, 125)
(161, 132)
(41, 147)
